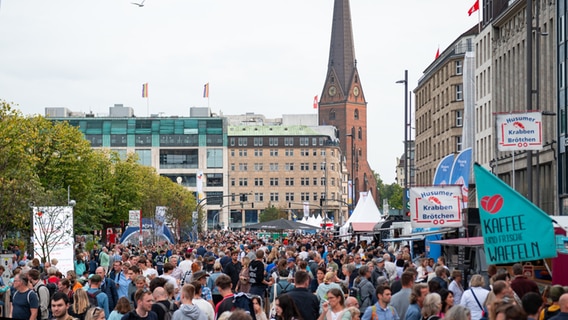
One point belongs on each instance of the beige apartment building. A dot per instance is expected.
(291, 167)
(439, 107)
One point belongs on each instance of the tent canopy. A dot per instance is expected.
(366, 210)
(149, 230)
(281, 224)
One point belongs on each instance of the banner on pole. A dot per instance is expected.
(519, 131)
(134, 218)
(436, 206)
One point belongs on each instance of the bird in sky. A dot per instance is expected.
(141, 4)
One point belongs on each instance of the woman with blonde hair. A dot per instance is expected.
(473, 297)
(80, 305)
(431, 307)
(95, 313)
(244, 278)
(329, 282)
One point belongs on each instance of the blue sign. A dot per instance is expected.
(443, 171)
(513, 228)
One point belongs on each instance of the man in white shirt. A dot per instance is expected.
(147, 272)
(185, 265)
(168, 269)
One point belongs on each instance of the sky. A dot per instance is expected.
(263, 56)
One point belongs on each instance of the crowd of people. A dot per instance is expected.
(238, 275)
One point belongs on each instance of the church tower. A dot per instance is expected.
(342, 103)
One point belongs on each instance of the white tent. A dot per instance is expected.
(365, 215)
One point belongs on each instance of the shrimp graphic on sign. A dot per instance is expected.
(436, 206)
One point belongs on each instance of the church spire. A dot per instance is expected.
(342, 61)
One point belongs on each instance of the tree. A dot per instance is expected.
(391, 192)
(273, 213)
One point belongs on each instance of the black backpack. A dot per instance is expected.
(284, 289)
(93, 298)
(168, 313)
(51, 290)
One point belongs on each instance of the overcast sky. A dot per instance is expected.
(263, 56)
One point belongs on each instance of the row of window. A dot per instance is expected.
(275, 141)
(291, 196)
(277, 152)
(288, 166)
(274, 182)
(147, 140)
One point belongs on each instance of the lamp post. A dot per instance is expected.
(405, 191)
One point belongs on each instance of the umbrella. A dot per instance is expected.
(281, 224)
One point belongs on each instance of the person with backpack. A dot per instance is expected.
(143, 309)
(97, 298)
(187, 310)
(25, 303)
(42, 293)
(363, 289)
(163, 306)
(108, 286)
(282, 284)
(381, 309)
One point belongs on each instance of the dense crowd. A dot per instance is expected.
(234, 275)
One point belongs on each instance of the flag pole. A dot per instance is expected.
(479, 21)
(148, 106)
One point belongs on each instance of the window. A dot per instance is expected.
(304, 166)
(322, 182)
(257, 141)
(232, 167)
(232, 142)
(274, 167)
(315, 181)
(315, 152)
(459, 68)
(356, 114)
(96, 140)
(258, 182)
(289, 141)
(243, 182)
(143, 140)
(214, 179)
(274, 197)
(289, 152)
(233, 182)
(304, 152)
(289, 166)
(458, 143)
(214, 158)
(333, 182)
(314, 141)
(322, 152)
(274, 152)
(144, 156)
(332, 115)
(258, 197)
(259, 166)
(315, 196)
(304, 141)
(289, 196)
(314, 166)
(459, 92)
(332, 166)
(322, 166)
(321, 141)
(214, 139)
(179, 140)
(305, 181)
(305, 196)
(242, 142)
(243, 153)
(289, 182)
(273, 141)
(459, 119)
(360, 133)
(232, 152)
(179, 159)
(273, 182)
(243, 166)
(258, 152)
(118, 140)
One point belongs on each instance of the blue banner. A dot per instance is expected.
(460, 173)
(513, 228)
(443, 171)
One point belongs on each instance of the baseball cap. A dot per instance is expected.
(379, 260)
(200, 274)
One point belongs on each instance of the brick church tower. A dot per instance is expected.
(342, 103)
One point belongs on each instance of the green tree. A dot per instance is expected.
(391, 192)
(273, 213)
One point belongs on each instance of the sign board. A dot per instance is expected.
(6, 260)
(134, 218)
(436, 206)
(513, 228)
(53, 235)
(519, 131)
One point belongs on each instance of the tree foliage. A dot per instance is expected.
(43, 161)
(273, 213)
(391, 192)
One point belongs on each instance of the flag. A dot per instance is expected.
(443, 171)
(460, 172)
(473, 8)
(437, 54)
(513, 228)
(316, 102)
(145, 90)
(206, 90)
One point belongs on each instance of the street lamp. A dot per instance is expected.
(405, 192)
